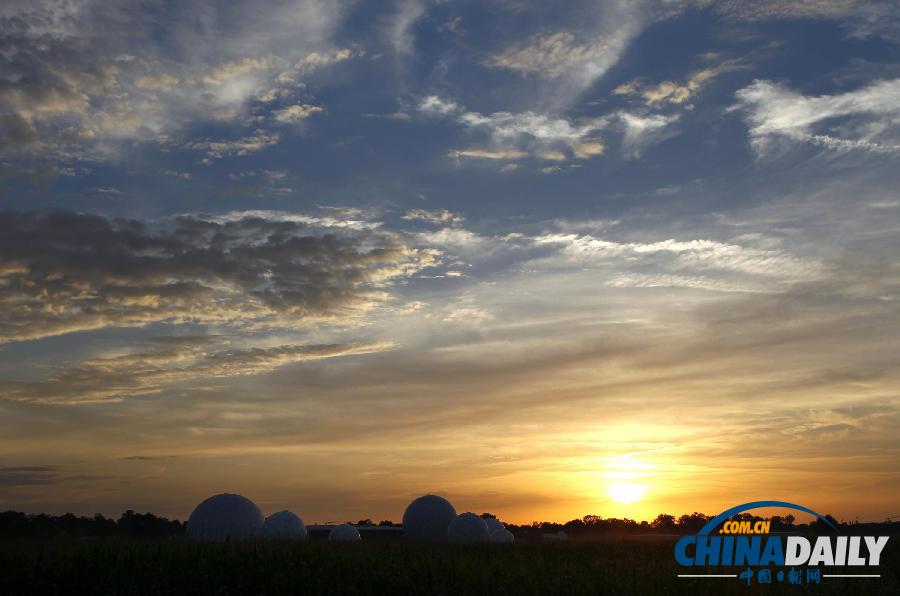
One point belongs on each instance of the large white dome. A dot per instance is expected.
(427, 518)
(284, 525)
(344, 533)
(468, 527)
(493, 524)
(225, 517)
(502, 536)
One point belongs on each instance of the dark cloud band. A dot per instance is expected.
(62, 271)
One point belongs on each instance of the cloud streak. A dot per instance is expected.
(144, 373)
(866, 119)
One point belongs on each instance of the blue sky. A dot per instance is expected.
(554, 250)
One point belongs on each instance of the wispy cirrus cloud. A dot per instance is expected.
(398, 29)
(136, 373)
(698, 254)
(493, 154)
(559, 54)
(866, 119)
(570, 60)
(13, 476)
(862, 18)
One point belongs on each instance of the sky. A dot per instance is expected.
(615, 258)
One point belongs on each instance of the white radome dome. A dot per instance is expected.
(493, 524)
(344, 533)
(502, 536)
(468, 527)
(284, 525)
(427, 518)
(225, 517)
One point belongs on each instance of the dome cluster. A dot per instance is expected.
(232, 518)
(433, 519)
(429, 518)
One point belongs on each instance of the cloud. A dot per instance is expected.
(399, 29)
(502, 154)
(666, 280)
(11, 476)
(89, 75)
(452, 25)
(640, 130)
(866, 119)
(673, 92)
(516, 135)
(313, 61)
(556, 54)
(288, 81)
(455, 238)
(177, 174)
(689, 254)
(142, 373)
(233, 71)
(258, 141)
(588, 149)
(508, 126)
(441, 216)
(295, 113)
(863, 18)
(62, 272)
(433, 105)
(551, 155)
(572, 59)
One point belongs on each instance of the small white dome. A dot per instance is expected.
(493, 524)
(284, 525)
(225, 517)
(468, 527)
(427, 518)
(344, 533)
(502, 536)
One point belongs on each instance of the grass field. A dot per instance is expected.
(606, 567)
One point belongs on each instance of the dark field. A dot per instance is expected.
(604, 567)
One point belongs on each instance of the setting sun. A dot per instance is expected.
(626, 492)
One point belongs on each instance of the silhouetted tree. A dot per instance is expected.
(691, 524)
(664, 523)
(820, 525)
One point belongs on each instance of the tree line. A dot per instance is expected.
(664, 523)
(14, 524)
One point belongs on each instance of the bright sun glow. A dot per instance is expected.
(626, 492)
